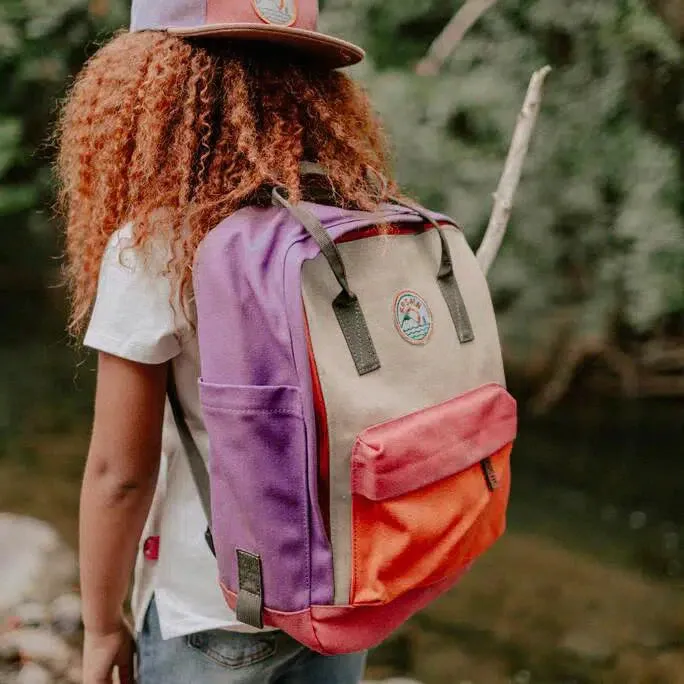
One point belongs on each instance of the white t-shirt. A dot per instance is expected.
(134, 318)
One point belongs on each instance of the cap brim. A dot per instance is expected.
(335, 53)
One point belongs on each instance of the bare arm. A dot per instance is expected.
(118, 485)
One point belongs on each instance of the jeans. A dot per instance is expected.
(222, 657)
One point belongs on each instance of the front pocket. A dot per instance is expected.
(429, 493)
(259, 492)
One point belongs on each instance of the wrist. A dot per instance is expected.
(104, 625)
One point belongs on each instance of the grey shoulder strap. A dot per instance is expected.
(197, 466)
(250, 599)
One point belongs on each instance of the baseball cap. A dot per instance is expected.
(292, 23)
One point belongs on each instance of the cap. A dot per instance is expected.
(293, 23)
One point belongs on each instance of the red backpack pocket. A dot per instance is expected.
(429, 493)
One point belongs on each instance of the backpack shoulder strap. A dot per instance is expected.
(198, 468)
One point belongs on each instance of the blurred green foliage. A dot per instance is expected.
(597, 234)
(596, 245)
(42, 44)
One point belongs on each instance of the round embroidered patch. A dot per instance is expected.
(279, 12)
(412, 317)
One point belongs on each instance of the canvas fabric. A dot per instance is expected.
(410, 378)
(347, 496)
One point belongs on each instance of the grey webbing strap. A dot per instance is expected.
(250, 598)
(320, 235)
(446, 278)
(459, 314)
(197, 466)
(346, 306)
(355, 330)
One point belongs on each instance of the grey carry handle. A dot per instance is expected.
(198, 468)
(346, 305)
(320, 235)
(446, 277)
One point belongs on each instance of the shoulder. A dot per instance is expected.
(121, 253)
(137, 312)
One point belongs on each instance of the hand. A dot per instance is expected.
(105, 653)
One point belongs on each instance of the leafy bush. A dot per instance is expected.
(597, 239)
(596, 243)
(42, 43)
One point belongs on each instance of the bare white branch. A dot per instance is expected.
(503, 199)
(452, 35)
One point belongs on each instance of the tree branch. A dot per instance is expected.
(452, 35)
(577, 352)
(503, 198)
(438, 53)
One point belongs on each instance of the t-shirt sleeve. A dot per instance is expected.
(134, 316)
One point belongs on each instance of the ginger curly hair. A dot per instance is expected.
(175, 135)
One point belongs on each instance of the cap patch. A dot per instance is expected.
(278, 12)
(412, 317)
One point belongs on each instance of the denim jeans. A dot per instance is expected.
(222, 657)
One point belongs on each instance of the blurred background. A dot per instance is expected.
(588, 586)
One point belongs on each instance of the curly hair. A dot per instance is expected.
(174, 135)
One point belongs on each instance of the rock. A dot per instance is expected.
(30, 614)
(609, 514)
(9, 653)
(7, 676)
(588, 647)
(35, 565)
(661, 553)
(74, 674)
(638, 520)
(66, 614)
(33, 674)
(40, 646)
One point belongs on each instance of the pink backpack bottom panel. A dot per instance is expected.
(338, 630)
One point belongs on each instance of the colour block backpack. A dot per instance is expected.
(354, 394)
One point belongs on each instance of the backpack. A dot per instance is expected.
(360, 429)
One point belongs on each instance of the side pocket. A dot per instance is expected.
(259, 487)
(429, 493)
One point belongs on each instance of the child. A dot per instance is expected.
(170, 128)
